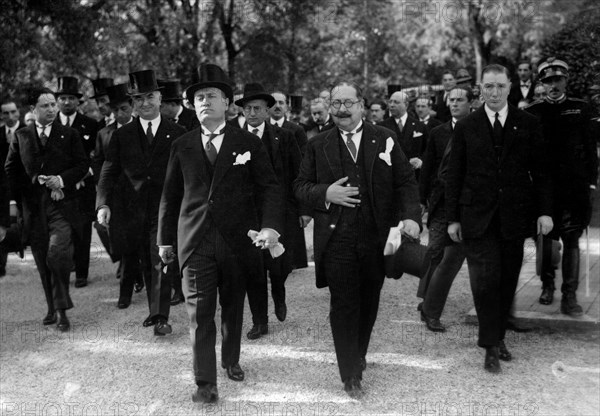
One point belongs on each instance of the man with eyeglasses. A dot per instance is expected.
(220, 184)
(498, 183)
(568, 132)
(359, 183)
(136, 161)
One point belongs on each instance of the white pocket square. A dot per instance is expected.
(385, 156)
(242, 158)
(86, 136)
(417, 134)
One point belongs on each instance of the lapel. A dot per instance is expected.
(224, 159)
(407, 131)
(162, 138)
(271, 134)
(484, 130)
(370, 145)
(510, 130)
(142, 139)
(332, 153)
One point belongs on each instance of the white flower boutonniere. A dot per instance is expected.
(241, 159)
(385, 156)
(417, 134)
(86, 136)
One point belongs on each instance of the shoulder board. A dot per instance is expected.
(577, 99)
(534, 103)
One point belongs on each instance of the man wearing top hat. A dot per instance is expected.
(359, 183)
(220, 184)
(569, 139)
(285, 157)
(172, 108)
(136, 162)
(45, 162)
(101, 97)
(278, 113)
(67, 100)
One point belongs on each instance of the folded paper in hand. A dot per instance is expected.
(276, 250)
(56, 194)
(393, 241)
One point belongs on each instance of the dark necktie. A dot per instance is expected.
(149, 134)
(400, 125)
(255, 131)
(350, 144)
(43, 137)
(497, 133)
(210, 149)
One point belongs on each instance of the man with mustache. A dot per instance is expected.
(278, 112)
(569, 138)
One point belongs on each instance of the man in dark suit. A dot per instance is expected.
(45, 161)
(523, 88)
(67, 98)
(278, 112)
(103, 102)
(445, 257)
(172, 108)
(359, 183)
(285, 157)
(136, 163)
(10, 117)
(412, 134)
(219, 183)
(441, 108)
(497, 184)
(423, 112)
(321, 120)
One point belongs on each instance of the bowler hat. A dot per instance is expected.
(100, 85)
(392, 88)
(255, 91)
(462, 75)
(172, 89)
(410, 258)
(553, 67)
(68, 86)
(296, 103)
(210, 76)
(118, 93)
(143, 82)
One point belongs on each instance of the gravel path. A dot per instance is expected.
(108, 364)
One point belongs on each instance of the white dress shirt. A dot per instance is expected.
(501, 114)
(261, 129)
(278, 123)
(68, 120)
(155, 123)
(217, 141)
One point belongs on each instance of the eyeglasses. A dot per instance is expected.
(490, 87)
(347, 103)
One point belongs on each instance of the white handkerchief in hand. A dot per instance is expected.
(275, 250)
(393, 241)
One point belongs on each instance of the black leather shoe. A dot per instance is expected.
(81, 282)
(162, 327)
(363, 363)
(63, 324)
(503, 352)
(177, 298)
(235, 372)
(150, 321)
(123, 303)
(353, 388)
(547, 296)
(138, 287)
(491, 363)
(513, 325)
(258, 331)
(50, 318)
(433, 324)
(206, 393)
(281, 311)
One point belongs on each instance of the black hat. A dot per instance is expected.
(296, 103)
(172, 89)
(462, 75)
(392, 88)
(68, 86)
(410, 258)
(553, 68)
(100, 85)
(255, 91)
(118, 93)
(143, 82)
(210, 76)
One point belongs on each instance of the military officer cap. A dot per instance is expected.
(553, 67)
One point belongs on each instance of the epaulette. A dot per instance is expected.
(533, 103)
(577, 99)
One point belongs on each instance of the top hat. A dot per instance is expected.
(553, 67)
(295, 103)
(255, 91)
(410, 259)
(172, 89)
(68, 86)
(210, 76)
(118, 93)
(143, 82)
(100, 85)
(392, 88)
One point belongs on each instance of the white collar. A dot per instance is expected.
(220, 128)
(155, 122)
(277, 122)
(261, 129)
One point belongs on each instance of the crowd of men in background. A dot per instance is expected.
(183, 185)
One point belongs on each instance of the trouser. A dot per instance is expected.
(570, 259)
(214, 268)
(438, 240)
(82, 243)
(257, 289)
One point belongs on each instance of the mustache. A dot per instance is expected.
(343, 115)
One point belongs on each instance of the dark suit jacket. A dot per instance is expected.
(4, 200)
(431, 186)
(132, 179)
(312, 129)
(516, 95)
(102, 142)
(4, 143)
(518, 185)
(393, 191)
(63, 155)
(442, 111)
(298, 132)
(88, 130)
(188, 119)
(432, 123)
(413, 138)
(232, 200)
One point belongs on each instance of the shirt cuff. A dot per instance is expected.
(271, 229)
(165, 246)
(62, 184)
